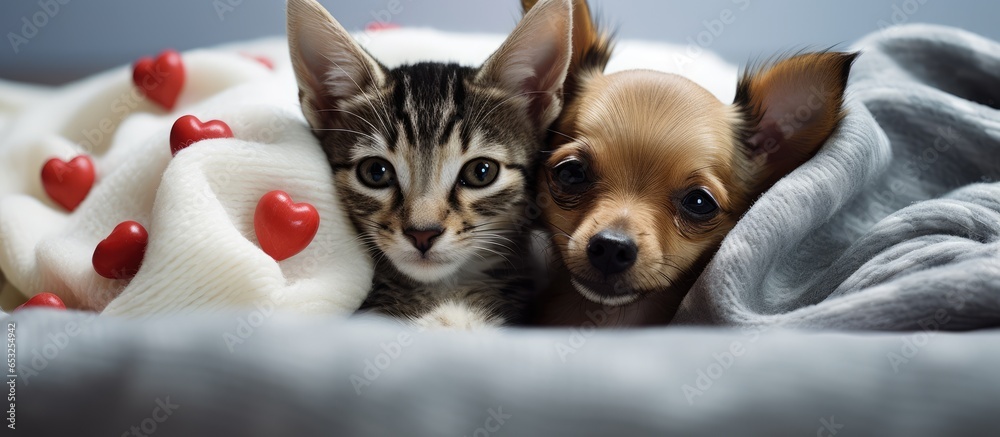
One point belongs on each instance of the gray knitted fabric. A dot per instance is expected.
(895, 224)
(187, 376)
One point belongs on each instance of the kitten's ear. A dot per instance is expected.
(792, 107)
(329, 65)
(534, 60)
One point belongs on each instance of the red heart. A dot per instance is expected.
(120, 255)
(68, 183)
(48, 300)
(188, 130)
(262, 59)
(162, 79)
(376, 26)
(284, 228)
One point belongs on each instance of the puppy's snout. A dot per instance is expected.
(611, 252)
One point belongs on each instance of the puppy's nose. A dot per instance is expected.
(423, 239)
(611, 252)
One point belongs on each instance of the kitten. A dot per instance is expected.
(435, 162)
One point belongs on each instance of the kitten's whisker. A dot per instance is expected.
(362, 90)
(381, 98)
(572, 138)
(477, 119)
(502, 246)
(370, 221)
(374, 129)
(560, 230)
(497, 254)
(494, 235)
(348, 131)
(496, 222)
(479, 255)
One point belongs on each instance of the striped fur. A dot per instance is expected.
(428, 121)
(436, 119)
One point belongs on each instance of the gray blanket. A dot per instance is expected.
(82, 376)
(895, 224)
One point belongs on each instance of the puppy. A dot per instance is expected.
(647, 172)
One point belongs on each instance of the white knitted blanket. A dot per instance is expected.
(197, 207)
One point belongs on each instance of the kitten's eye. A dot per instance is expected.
(699, 203)
(376, 173)
(570, 175)
(479, 173)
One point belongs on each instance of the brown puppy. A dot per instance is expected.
(648, 172)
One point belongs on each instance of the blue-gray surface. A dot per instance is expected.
(83, 37)
(248, 375)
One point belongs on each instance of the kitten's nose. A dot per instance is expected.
(611, 252)
(423, 239)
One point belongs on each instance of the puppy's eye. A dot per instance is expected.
(570, 175)
(376, 173)
(479, 173)
(699, 203)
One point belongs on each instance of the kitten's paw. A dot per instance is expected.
(458, 316)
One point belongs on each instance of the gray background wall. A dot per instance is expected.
(83, 37)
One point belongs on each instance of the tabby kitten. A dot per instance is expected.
(433, 161)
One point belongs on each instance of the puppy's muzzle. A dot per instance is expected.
(612, 252)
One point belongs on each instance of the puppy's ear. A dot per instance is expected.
(329, 65)
(592, 45)
(791, 107)
(534, 60)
